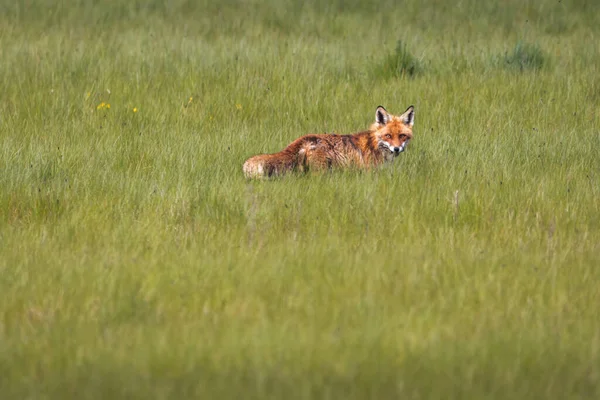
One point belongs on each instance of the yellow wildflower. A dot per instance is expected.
(100, 106)
(238, 106)
(135, 109)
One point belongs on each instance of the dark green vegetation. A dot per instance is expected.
(525, 56)
(399, 64)
(137, 263)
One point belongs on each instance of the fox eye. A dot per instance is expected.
(388, 136)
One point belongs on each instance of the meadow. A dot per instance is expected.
(136, 262)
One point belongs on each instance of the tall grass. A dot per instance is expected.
(401, 63)
(137, 262)
(525, 56)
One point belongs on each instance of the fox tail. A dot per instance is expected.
(268, 165)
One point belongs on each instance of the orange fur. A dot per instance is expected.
(386, 139)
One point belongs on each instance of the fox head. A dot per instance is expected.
(392, 133)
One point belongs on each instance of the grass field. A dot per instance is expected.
(136, 262)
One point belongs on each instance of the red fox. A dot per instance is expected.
(385, 140)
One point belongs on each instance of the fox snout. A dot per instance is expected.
(398, 150)
(395, 150)
(401, 148)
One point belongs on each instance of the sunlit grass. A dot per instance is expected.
(137, 262)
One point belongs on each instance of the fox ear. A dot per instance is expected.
(409, 116)
(381, 116)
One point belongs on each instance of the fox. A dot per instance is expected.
(386, 138)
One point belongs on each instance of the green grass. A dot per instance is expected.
(137, 262)
(399, 64)
(525, 56)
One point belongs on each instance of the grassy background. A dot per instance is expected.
(136, 262)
